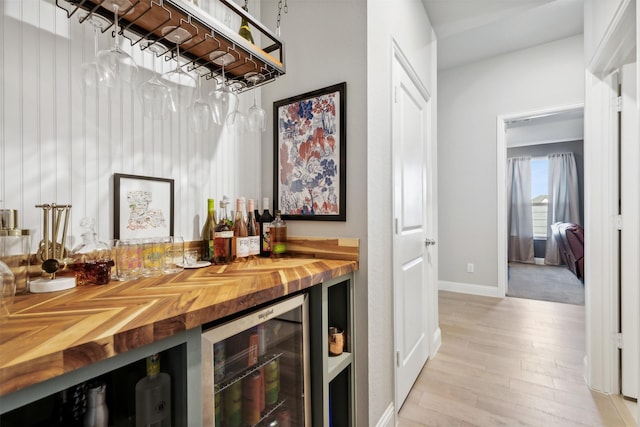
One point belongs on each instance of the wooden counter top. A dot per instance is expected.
(50, 334)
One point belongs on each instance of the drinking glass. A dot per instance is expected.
(7, 288)
(92, 75)
(128, 259)
(116, 65)
(182, 86)
(236, 118)
(152, 257)
(154, 94)
(202, 114)
(223, 100)
(173, 254)
(256, 116)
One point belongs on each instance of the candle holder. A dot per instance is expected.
(52, 253)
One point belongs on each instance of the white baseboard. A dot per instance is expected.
(436, 341)
(469, 288)
(538, 261)
(388, 419)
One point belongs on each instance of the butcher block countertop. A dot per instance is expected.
(47, 335)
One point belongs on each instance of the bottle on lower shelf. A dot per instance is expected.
(153, 396)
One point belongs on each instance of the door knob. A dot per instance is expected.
(429, 242)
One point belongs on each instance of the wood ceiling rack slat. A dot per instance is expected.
(146, 19)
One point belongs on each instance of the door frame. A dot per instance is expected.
(501, 183)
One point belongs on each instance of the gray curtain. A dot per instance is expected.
(519, 217)
(564, 204)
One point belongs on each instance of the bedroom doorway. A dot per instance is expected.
(534, 139)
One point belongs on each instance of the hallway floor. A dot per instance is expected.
(509, 362)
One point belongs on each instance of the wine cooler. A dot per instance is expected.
(256, 368)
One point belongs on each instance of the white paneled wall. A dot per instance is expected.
(63, 144)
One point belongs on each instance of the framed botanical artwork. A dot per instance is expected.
(310, 155)
(143, 207)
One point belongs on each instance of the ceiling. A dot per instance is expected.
(471, 30)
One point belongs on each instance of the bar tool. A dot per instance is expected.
(51, 252)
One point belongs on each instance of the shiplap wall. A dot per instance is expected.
(62, 144)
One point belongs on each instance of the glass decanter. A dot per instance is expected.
(91, 260)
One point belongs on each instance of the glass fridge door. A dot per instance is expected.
(256, 368)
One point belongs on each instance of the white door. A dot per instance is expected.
(410, 130)
(630, 234)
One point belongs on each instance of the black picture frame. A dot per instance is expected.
(141, 206)
(310, 155)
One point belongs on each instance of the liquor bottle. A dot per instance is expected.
(265, 223)
(91, 260)
(153, 396)
(240, 233)
(278, 230)
(245, 31)
(222, 237)
(208, 231)
(97, 414)
(252, 229)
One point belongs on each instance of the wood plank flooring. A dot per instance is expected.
(508, 362)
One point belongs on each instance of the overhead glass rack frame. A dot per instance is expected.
(210, 40)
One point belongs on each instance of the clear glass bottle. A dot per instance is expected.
(153, 396)
(222, 237)
(278, 231)
(239, 245)
(97, 414)
(91, 260)
(208, 232)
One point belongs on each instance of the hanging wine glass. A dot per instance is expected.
(256, 116)
(223, 100)
(202, 114)
(116, 65)
(236, 118)
(153, 93)
(92, 75)
(182, 85)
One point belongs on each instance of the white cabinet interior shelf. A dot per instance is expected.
(208, 40)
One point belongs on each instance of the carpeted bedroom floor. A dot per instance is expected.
(544, 282)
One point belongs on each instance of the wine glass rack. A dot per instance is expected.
(210, 39)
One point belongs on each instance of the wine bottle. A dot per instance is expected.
(208, 231)
(153, 396)
(222, 237)
(265, 223)
(240, 233)
(245, 31)
(278, 230)
(252, 229)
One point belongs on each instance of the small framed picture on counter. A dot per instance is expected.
(143, 207)
(310, 155)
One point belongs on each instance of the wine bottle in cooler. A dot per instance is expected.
(265, 222)
(208, 232)
(153, 396)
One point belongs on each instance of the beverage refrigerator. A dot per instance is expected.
(255, 368)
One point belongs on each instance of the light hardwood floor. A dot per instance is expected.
(508, 362)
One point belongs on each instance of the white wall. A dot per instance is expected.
(60, 144)
(325, 43)
(406, 23)
(470, 99)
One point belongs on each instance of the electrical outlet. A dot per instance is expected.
(470, 268)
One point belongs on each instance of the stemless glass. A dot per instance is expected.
(152, 257)
(116, 65)
(92, 75)
(223, 100)
(173, 254)
(256, 116)
(154, 94)
(128, 259)
(182, 86)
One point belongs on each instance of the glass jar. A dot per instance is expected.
(91, 260)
